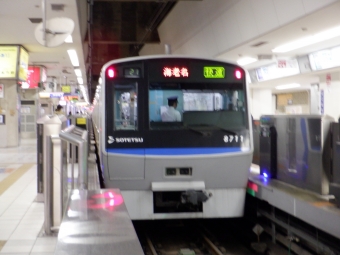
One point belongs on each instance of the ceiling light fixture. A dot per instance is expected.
(77, 72)
(288, 86)
(246, 61)
(69, 39)
(73, 57)
(80, 80)
(319, 37)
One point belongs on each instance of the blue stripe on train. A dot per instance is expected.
(173, 151)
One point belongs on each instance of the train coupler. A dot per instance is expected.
(194, 196)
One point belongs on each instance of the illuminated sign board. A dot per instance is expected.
(66, 89)
(214, 72)
(175, 72)
(81, 121)
(23, 64)
(10, 56)
(279, 70)
(33, 76)
(8, 61)
(71, 97)
(56, 94)
(324, 59)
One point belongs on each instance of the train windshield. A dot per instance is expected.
(183, 106)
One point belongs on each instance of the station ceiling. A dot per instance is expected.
(110, 29)
(104, 30)
(120, 28)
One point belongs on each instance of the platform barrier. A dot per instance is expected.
(97, 222)
(92, 221)
(46, 126)
(334, 186)
(57, 182)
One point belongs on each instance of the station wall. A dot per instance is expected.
(210, 28)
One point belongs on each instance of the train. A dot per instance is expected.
(193, 165)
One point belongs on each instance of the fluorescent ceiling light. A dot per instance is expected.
(322, 36)
(77, 72)
(69, 39)
(246, 60)
(73, 57)
(288, 86)
(80, 80)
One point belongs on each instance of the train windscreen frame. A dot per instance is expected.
(211, 97)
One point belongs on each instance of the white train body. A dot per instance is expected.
(193, 168)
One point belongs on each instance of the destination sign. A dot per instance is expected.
(214, 72)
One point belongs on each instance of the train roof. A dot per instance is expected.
(122, 60)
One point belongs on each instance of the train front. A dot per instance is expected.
(176, 136)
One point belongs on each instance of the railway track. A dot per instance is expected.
(189, 237)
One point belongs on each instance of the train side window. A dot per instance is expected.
(125, 107)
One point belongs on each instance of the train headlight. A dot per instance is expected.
(111, 72)
(238, 74)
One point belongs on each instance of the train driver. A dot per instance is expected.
(171, 114)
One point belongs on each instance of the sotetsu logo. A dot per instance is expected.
(124, 140)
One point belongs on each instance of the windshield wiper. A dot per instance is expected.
(206, 130)
(226, 130)
(201, 131)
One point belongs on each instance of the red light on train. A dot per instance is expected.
(238, 74)
(111, 73)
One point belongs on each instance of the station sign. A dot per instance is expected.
(66, 89)
(325, 59)
(282, 68)
(56, 94)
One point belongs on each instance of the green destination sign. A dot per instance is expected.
(213, 72)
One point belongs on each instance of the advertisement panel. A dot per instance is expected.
(23, 64)
(8, 61)
(33, 77)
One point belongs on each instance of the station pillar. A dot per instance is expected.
(9, 114)
(14, 64)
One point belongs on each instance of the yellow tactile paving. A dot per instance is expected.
(13, 177)
(323, 204)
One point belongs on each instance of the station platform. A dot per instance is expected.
(91, 220)
(312, 208)
(21, 216)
